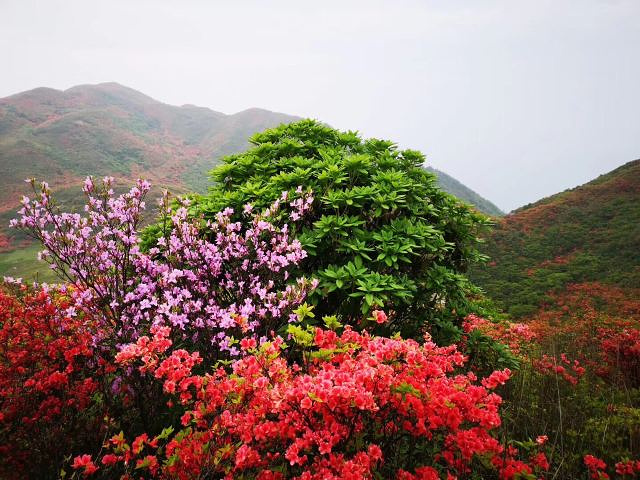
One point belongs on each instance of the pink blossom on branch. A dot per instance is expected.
(209, 291)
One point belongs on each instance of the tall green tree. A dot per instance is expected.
(380, 233)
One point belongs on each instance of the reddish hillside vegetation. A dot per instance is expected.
(590, 233)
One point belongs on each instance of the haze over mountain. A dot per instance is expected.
(587, 234)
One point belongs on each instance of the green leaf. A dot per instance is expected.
(331, 322)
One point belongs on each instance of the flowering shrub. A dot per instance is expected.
(47, 382)
(568, 370)
(211, 292)
(620, 351)
(357, 407)
(516, 336)
(596, 467)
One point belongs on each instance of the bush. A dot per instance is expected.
(358, 407)
(48, 379)
(379, 233)
(212, 291)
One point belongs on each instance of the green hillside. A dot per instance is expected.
(454, 187)
(109, 129)
(587, 234)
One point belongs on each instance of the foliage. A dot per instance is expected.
(578, 379)
(588, 234)
(380, 232)
(133, 306)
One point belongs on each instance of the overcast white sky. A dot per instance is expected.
(516, 99)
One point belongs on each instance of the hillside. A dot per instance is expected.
(109, 129)
(587, 234)
(454, 187)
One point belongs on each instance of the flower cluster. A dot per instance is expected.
(628, 467)
(208, 291)
(46, 378)
(360, 406)
(598, 468)
(515, 335)
(563, 367)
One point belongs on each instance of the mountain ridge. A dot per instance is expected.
(460, 190)
(63, 135)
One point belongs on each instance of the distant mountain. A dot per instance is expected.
(454, 187)
(109, 129)
(586, 234)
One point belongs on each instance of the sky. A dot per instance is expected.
(516, 99)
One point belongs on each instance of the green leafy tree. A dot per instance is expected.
(380, 233)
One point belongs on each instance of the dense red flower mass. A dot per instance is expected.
(596, 467)
(44, 378)
(358, 406)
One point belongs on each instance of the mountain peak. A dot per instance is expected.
(111, 129)
(39, 94)
(109, 92)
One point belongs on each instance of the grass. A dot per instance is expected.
(24, 263)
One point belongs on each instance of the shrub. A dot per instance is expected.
(620, 348)
(379, 233)
(48, 379)
(358, 407)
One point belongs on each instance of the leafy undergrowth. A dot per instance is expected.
(578, 383)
